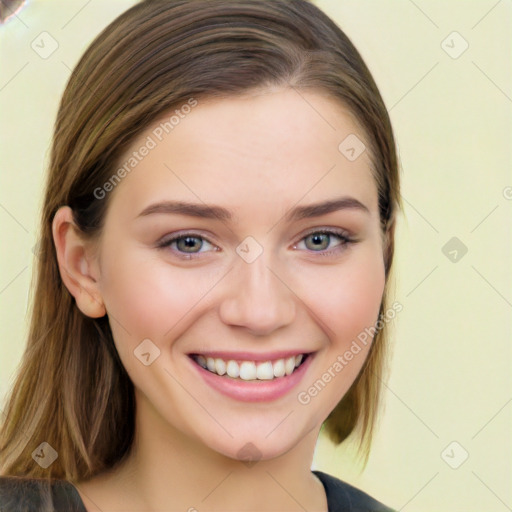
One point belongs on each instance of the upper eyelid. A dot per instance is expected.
(333, 231)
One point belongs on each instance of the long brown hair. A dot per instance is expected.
(71, 390)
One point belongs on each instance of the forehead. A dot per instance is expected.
(265, 148)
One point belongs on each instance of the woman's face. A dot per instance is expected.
(246, 235)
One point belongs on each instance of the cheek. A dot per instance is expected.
(346, 302)
(147, 298)
(346, 298)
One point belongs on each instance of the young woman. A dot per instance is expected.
(215, 251)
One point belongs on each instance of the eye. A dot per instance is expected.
(186, 245)
(319, 241)
(322, 241)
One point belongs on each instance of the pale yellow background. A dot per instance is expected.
(451, 368)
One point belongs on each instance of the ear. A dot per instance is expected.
(77, 264)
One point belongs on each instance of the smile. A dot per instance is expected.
(252, 377)
(248, 369)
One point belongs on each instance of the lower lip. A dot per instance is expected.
(254, 390)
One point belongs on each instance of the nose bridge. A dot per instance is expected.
(260, 281)
(256, 298)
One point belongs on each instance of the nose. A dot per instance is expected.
(257, 298)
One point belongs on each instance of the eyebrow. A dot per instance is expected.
(217, 212)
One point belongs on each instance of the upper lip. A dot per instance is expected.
(251, 356)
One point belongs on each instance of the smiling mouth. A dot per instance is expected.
(250, 370)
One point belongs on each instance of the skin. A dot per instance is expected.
(259, 155)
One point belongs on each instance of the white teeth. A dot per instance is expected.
(247, 370)
(264, 371)
(279, 368)
(210, 364)
(289, 365)
(232, 369)
(250, 370)
(220, 366)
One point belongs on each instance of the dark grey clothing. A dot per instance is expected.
(342, 497)
(18, 494)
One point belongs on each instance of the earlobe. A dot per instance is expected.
(76, 264)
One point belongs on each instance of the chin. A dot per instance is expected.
(260, 446)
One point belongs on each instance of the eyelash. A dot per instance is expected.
(342, 235)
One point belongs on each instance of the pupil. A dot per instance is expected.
(320, 239)
(189, 242)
